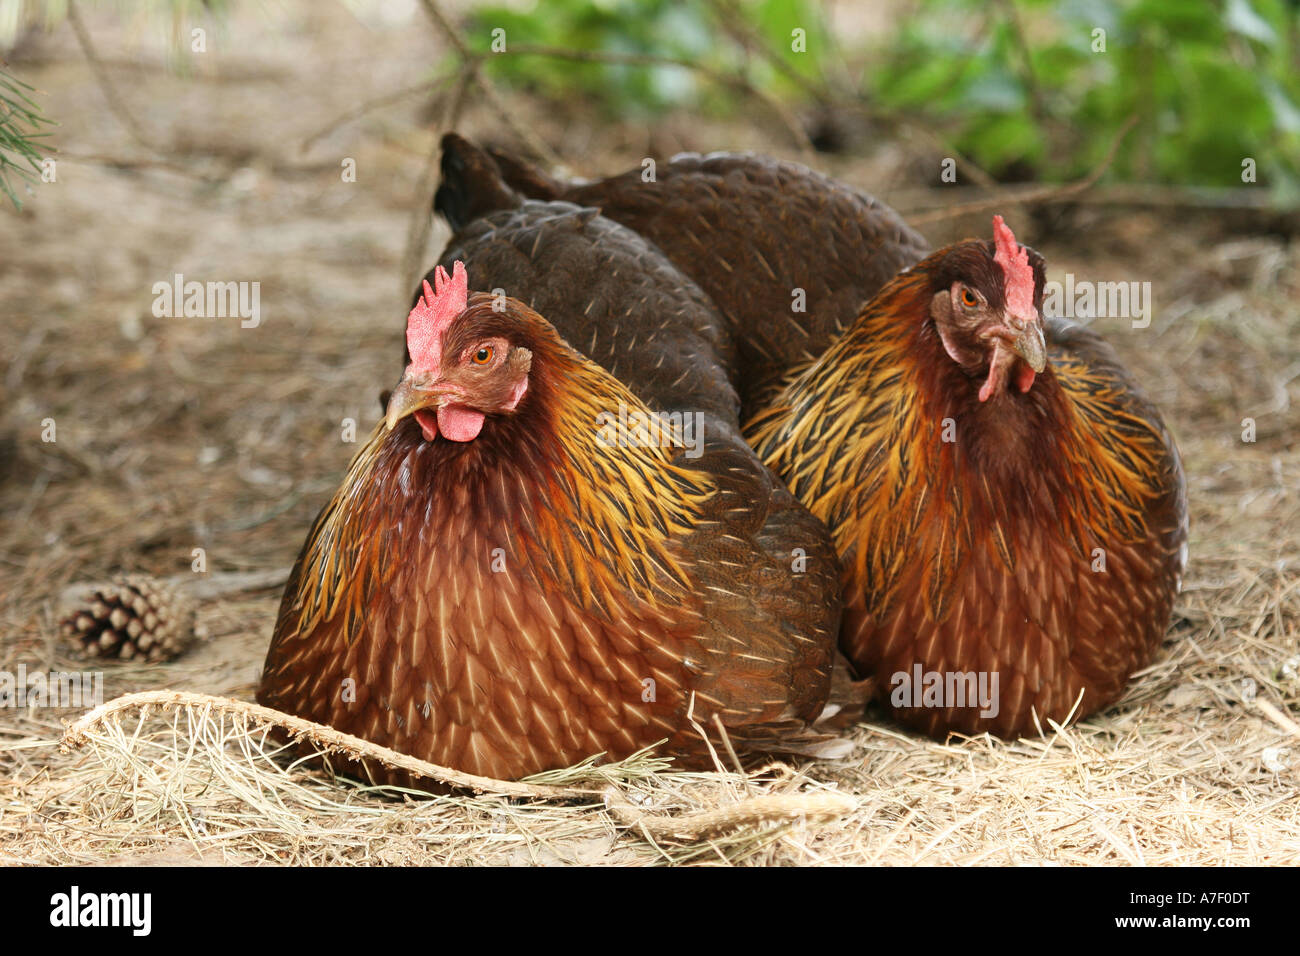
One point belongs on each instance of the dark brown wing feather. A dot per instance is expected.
(768, 565)
(610, 295)
(751, 230)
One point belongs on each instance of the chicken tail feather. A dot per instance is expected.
(472, 184)
(528, 180)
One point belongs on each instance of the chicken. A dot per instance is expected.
(1010, 509)
(787, 255)
(520, 570)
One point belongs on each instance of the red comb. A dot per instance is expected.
(1014, 261)
(433, 313)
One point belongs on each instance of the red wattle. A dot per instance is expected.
(458, 423)
(428, 423)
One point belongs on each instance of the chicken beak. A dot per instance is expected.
(411, 394)
(1031, 347)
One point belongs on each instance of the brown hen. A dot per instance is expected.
(504, 585)
(1010, 509)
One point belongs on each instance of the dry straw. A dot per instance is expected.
(204, 769)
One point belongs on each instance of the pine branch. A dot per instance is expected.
(20, 123)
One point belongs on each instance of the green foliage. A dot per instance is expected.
(20, 123)
(690, 30)
(1211, 83)
(612, 26)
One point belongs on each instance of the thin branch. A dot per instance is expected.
(1155, 195)
(911, 126)
(200, 587)
(388, 99)
(978, 173)
(1029, 76)
(421, 222)
(115, 101)
(735, 23)
(221, 170)
(1038, 194)
(489, 91)
(1279, 718)
(688, 827)
(736, 82)
(139, 162)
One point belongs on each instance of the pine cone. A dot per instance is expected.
(134, 618)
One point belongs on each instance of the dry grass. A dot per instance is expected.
(176, 434)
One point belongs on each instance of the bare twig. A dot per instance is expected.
(143, 162)
(1279, 718)
(200, 587)
(853, 102)
(421, 222)
(687, 827)
(472, 63)
(1157, 195)
(1038, 194)
(912, 127)
(388, 99)
(736, 82)
(115, 101)
(734, 22)
(1029, 77)
(978, 173)
(728, 15)
(731, 751)
(231, 71)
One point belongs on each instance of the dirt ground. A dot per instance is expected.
(182, 433)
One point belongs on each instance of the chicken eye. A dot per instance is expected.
(968, 298)
(483, 355)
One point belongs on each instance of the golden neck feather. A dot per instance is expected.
(857, 434)
(597, 522)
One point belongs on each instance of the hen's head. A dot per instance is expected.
(985, 309)
(468, 360)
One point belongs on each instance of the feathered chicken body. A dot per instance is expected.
(1004, 511)
(787, 255)
(500, 587)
